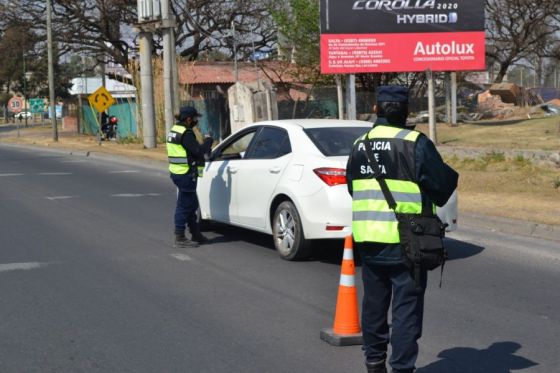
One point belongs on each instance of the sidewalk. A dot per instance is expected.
(156, 160)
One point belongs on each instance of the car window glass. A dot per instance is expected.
(270, 143)
(238, 146)
(335, 141)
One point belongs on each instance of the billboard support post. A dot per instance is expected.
(448, 97)
(431, 106)
(453, 79)
(339, 96)
(351, 97)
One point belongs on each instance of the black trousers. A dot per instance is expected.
(187, 202)
(383, 284)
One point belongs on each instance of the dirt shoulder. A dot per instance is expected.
(506, 170)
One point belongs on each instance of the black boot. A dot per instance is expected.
(197, 236)
(183, 242)
(376, 367)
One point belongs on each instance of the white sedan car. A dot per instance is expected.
(285, 178)
(23, 114)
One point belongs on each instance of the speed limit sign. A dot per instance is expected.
(15, 104)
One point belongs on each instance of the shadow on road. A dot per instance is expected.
(497, 358)
(460, 249)
(326, 251)
(228, 233)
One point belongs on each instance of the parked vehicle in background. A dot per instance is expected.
(23, 115)
(286, 178)
(109, 128)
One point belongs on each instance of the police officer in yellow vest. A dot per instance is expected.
(417, 178)
(186, 155)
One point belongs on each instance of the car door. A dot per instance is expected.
(216, 189)
(258, 174)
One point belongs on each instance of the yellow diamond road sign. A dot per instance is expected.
(101, 99)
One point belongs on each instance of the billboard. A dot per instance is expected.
(401, 35)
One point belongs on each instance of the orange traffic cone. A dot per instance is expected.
(346, 330)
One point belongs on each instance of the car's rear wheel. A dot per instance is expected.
(287, 232)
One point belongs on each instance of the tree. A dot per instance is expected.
(204, 26)
(103, 29)
(520, 29)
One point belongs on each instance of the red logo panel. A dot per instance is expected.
(441, 51)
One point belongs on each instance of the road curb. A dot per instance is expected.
(513, 226)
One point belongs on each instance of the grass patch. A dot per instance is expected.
(494, 157)
(532, 134)
(130, 140)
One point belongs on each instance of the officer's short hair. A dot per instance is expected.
(394, 112)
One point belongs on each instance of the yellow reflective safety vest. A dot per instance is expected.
(176, 153)
(372, 218)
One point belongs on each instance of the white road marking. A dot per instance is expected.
(60, 197)
(11, 174)
(54, 173)
(74, 161)
(124, 172)
(182, 257)
(135, 195)
(21, 266)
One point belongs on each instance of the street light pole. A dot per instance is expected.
(51, 72)
(24, 89)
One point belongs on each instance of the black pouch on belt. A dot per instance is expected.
(422, 240)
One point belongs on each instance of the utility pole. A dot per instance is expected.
(149, 13)
(24, 89)
(51, 72)
(146, 81)
(167, 28)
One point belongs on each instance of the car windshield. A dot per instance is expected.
(335, 141)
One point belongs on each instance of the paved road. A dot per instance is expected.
(90, 283)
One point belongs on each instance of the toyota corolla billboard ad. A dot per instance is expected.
(360, 36)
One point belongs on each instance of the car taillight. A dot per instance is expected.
(331, 176)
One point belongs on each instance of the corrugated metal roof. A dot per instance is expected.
(86, 86)
(223, 72)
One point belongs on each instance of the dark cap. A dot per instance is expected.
(392, 93)
(187, 112)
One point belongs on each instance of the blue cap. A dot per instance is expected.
(392, 93)
(187, 112)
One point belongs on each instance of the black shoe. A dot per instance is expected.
(376, 366)
(200, 238)
(183, 242)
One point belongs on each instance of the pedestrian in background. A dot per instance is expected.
(418, 178)
(185, 154)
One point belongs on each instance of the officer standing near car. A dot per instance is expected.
(185, 155)
(418, 178)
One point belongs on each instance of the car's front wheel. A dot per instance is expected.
(287, 232)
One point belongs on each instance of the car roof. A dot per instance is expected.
(313, 123)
